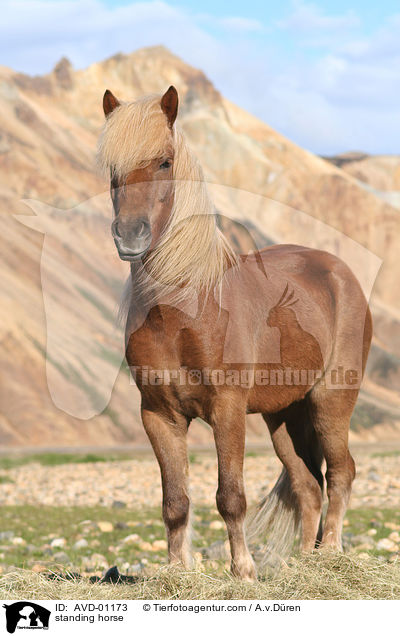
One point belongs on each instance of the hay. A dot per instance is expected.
(323, 575)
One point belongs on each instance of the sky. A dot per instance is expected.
(326, 74)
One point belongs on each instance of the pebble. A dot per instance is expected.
(58, 543)
(387, 544)
(145, 545)
(18, 541)
(159, 544)
(394, 536)
(95, 561)
(217, 550)
(364, 540)
(79, 545)
(6, 535)
(216, 525)
(136, 483)
(135, 568)
(61, 557)
(131, 538)
(105, 526)
(118, 504)
(392, 526)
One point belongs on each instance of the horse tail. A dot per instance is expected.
(276, 519)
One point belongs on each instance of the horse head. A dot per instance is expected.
(138, 149)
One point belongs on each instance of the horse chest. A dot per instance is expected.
(167, 365)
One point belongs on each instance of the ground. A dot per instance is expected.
(86, 513)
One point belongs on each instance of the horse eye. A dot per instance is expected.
(166, 164)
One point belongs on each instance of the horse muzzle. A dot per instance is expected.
(132, 241)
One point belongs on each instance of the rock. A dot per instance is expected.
(58, 543)
(6, 535)
(394, 536)
(135, 568)
(46, 549)
(79, 545)
(217, 550)
(105, 526)
(372, 532)
(31, 548)
(131, 538)
(95, 561)
(387, 544)
(145, 545)
(18, 541)
(159, 544)
(391, 525)
(61, 557)
(364, 546)
(118, 504)
(216, 525)
(363, 539)
(373, 476)
(121, 525)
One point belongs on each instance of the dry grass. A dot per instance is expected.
(318, 576)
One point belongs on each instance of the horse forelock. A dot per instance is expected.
(133, 135)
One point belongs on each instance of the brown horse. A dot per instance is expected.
(284, 332)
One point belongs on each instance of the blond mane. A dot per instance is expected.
(191, 254)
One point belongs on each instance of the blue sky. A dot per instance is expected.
(325, 74)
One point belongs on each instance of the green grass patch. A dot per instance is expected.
(393, 453)
(5, 479)
(39, 526)
(56, 459)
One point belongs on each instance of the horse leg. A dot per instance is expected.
(168, 439)
(297, 447)
(331, 412)
(229, 435)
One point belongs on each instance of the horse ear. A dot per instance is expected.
(110, 102)
(169, 105)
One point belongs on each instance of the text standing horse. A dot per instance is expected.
(211, 335)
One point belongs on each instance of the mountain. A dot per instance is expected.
(49, 127)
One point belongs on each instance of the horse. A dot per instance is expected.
(205, 328)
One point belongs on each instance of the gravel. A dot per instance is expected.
(136, 483)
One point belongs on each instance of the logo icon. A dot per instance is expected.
(26, 615)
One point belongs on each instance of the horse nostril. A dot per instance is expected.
(115, 230)
(142, 228)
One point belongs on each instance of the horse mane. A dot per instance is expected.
(192, 254)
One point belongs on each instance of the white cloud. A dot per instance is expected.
(308, 18)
